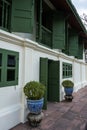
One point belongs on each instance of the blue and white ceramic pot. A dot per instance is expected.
(35, 106)
(68, 91)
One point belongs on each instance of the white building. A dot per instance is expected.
(50, 53)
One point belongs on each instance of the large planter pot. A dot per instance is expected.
(68, 91)
(35, 106)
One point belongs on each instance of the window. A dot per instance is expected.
(44, 27)
(5, 14)
(67, 70)
(8, 68)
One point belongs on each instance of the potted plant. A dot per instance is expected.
(34, 91)
(68, 87)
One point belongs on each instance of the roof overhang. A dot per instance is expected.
(71, 14)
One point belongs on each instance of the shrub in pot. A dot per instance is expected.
(68, 87)
(34, 91)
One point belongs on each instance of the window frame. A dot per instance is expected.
(5, 8)
(4, 68)
(66, 70)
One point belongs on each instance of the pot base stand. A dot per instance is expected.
(68, 97)
(35, 119)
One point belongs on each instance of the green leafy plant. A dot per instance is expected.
(68, 84)
(34, 90)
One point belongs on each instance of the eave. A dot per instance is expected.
(73, 17)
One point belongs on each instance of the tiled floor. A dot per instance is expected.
(63, 115)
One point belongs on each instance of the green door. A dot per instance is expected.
(53, 81)
(44, 77)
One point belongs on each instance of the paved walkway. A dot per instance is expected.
(63, 115)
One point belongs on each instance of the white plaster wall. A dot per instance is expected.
(84, 79)
(83, 73)
(11, 96)
(32, 61)
(76, 71)
(12, 99)
(63, 59)
(86, 72)
(79, 75)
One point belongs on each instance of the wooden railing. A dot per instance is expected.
(46, 36)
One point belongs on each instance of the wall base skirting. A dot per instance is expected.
(79, 86)
(10, 117)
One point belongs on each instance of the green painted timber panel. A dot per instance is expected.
(73, 44)
(53, 81)
(58, 31)
(22, 15)
(80, 50)
(44, 77)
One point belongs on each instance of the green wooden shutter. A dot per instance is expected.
(40, 21)
(66, 49)
(2, 67)
(22, 15)
(73, 44)
(53, 81)
(80, 50)
(58, 31)
(44, 77)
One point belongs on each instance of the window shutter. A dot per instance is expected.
(58, 31)
(73, 44)
(44, 77)
(80, 50)
(22, 15)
